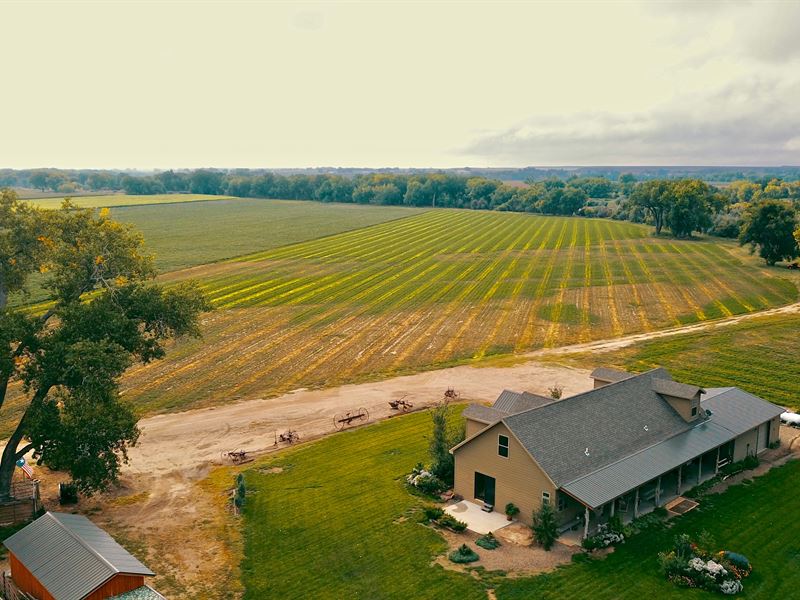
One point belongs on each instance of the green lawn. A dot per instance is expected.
(761, 355)
(123, 200)
(327, 526)
(332, 525)
(755, 520)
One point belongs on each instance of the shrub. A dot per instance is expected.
(463, 554)
(512, 510)
(67, 493)
(488, 541)
(451, 523)
(692, 565)
(545, 528)
(604, 538)
(432, 513)
(425, 481)
(443, 438)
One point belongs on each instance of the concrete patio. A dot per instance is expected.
(476, 519)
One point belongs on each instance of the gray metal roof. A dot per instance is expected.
(70, 555)
(578, 435)
(733, 412)
(608, 374)
(738, 411)
(668, 387)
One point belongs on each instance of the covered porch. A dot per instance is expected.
(644, 498)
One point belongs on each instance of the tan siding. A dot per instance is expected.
(474, 427)
(683, 406)
(518, 478)
(775, 430)
(740, 448)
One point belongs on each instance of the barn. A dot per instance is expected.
(63, 556)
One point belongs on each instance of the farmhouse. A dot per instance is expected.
(67, 557)
(629, 445)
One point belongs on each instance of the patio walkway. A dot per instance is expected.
(476, 519)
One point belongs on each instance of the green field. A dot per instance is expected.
(340, 510)
(122, 200)
(189, 234)
(439, 288)
(760, 355)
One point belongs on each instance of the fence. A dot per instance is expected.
(10, 591)
(25, 504)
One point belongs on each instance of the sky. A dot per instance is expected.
(415, 84)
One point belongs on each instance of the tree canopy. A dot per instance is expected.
(106, 314)
(769, 226)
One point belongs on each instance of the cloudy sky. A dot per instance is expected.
(200, 84)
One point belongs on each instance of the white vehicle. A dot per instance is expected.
(791, 418)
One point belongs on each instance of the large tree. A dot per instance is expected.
(654, 197)
(691, 202)
(769, 226)
(61, 365)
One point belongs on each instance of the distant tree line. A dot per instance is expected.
(746, 209)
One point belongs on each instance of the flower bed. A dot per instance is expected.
(425, 481)
(690, 565)
(606, 536)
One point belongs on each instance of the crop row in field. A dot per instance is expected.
(440, 287)
(339, 507)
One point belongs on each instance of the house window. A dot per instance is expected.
(694, 411)
(561, 502)
(502, 445)
(545, 498)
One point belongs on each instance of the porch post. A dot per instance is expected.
(636, 504)
(613, 504)
(680, 472)
(658, 491)
(586, 523)
(716, 466)
(699, 467)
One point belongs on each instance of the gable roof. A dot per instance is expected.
(668, 387)
(508, 403)
(71, 556)
(608, 374)
(580, 434)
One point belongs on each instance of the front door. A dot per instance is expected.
(484, 488)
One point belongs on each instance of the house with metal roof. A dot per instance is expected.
(63, 556)
(629, 445)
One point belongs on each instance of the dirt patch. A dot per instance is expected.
(514, 560)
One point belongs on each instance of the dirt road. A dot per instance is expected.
(160, 506)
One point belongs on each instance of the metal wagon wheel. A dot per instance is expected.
(339, 422)
(363, 414)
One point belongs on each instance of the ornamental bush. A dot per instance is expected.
(690, 565)
(463, 554)
(488, 541)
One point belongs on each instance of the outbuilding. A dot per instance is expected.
(63, 556)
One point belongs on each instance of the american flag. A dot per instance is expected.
(26, 468)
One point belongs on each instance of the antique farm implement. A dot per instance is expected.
(290, 436)
(237, 457)
(401, 404)
(341, 421)
(451, 394)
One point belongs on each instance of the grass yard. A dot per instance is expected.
(338, 523)
(122, 200)
(759, 355)
(438, 288)
(754, 519)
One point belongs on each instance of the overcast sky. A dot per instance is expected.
(202, 84)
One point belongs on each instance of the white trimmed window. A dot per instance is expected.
(545, 498)
(502, 445)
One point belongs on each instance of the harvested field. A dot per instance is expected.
(438, 288)
(98, 201)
